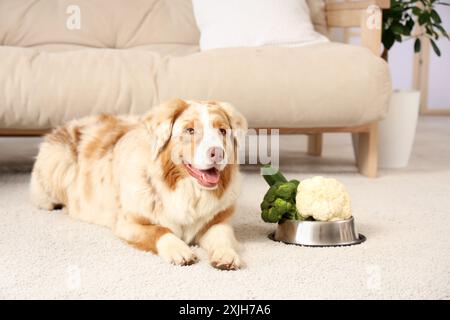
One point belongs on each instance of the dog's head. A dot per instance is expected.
(196, 139)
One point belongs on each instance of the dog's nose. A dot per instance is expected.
(216, 154)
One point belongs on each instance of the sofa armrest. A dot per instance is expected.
(365, 14)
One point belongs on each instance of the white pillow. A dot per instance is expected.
(253, 23)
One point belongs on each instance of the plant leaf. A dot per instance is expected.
(410, 26)
(442, 30)
(435, 48)
(424, 18)
(398, 29)
(388, 40)
(435, 16)
(416, 11)
(417, 45)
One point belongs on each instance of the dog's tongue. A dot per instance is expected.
(210, 176)
(207, 178)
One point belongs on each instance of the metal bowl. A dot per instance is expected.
(318, 233)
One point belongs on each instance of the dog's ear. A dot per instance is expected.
(237, 121)
(159, 122)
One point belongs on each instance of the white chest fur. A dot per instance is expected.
(188, 208)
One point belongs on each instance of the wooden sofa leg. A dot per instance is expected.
(366, 151)
(315, 144)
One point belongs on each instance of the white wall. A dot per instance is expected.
(401, 61)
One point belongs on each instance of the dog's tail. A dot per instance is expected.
(56, 167)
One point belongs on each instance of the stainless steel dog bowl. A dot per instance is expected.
(318, 233)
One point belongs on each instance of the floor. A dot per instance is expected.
(405, 215)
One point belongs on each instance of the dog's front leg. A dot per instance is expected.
(155, 238)
(219, 241)
(136, 196)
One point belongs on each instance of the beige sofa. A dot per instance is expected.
(127, 56)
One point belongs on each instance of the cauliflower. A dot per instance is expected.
(324, 199)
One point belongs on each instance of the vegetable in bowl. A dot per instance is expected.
(317, 198)
(279, 202)
(323, 199)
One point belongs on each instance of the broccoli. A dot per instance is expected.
(279, 200)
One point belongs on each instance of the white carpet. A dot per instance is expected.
(405, 215)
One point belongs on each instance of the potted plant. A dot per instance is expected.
(406, 20)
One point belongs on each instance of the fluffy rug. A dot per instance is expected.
(405, 215)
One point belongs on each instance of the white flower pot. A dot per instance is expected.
(398, 129)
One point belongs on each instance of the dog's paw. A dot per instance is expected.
(225, 259)
(175, 251)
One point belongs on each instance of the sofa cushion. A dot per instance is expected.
(254, 23)
(327, 84)
(97, 23)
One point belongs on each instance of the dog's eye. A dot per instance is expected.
(189, 130)
(223, 131)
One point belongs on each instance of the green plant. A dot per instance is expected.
(399, 21)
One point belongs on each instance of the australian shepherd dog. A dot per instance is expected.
(160, 182)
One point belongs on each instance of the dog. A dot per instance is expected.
(161, 181)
